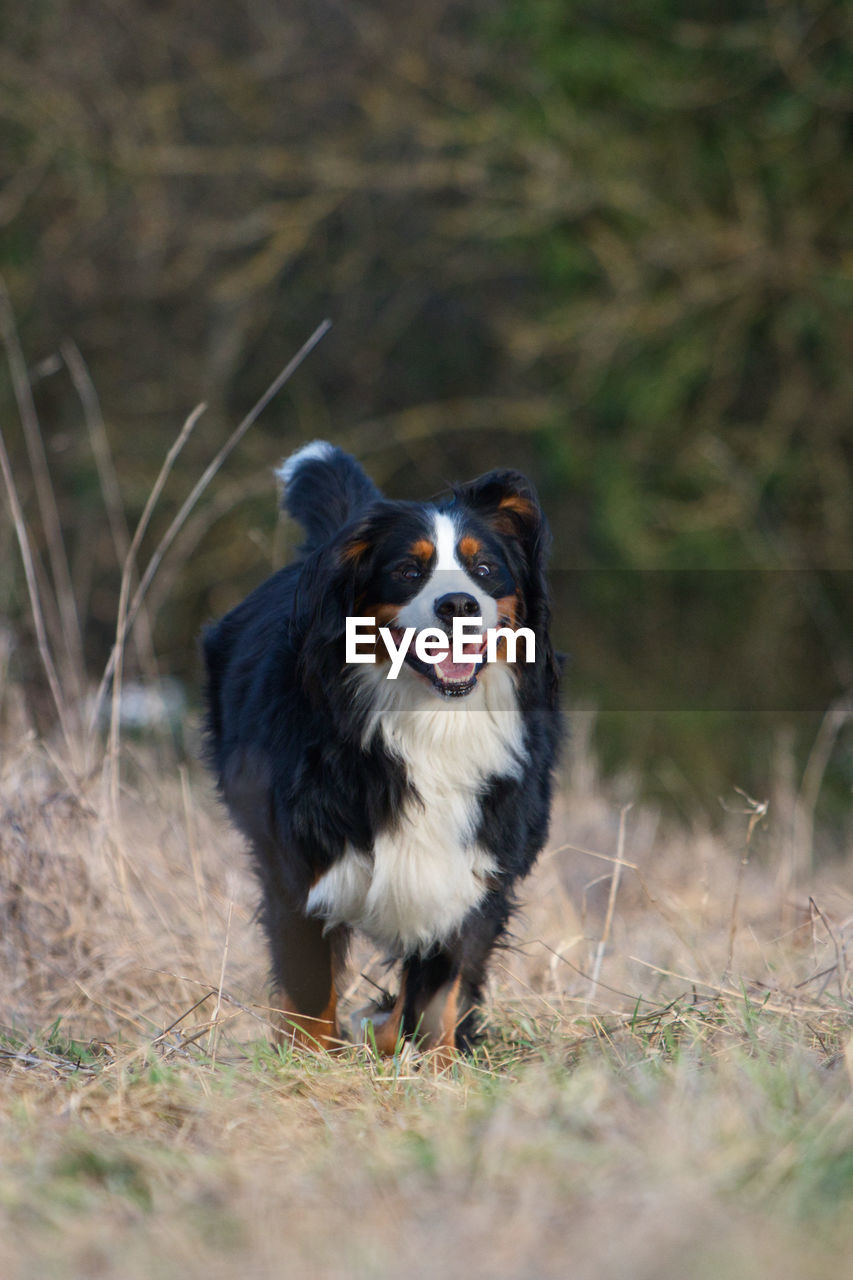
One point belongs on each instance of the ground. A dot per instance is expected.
(687, 1114)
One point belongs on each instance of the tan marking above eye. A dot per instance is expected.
(470, 547)
(383, 615)
(423, 549)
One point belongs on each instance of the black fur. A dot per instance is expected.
(286, 734)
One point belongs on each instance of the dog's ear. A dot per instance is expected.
(330, 583)
(507, 501)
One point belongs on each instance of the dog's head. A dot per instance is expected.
(479, 554)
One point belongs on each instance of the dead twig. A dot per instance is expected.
(802, 836)
(25, 549)
(191, 500)
(840, 966)
(611, 902)
(71, 632)
(110, 488)
(756, 809)
(122, 624)
(215, 1019)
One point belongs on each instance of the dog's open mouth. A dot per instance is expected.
(450, 679)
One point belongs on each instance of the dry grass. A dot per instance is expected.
(673, 1118)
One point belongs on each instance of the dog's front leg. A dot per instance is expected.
(305, 960)
(425, 1011)
(431, 1012)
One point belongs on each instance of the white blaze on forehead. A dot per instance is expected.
(447, 574)
(445, 537)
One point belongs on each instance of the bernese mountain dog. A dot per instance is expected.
(406, 808)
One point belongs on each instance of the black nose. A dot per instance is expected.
(456, 604)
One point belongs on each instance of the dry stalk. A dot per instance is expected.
(191, 500)
(71, 634)
(121, 619)
(756, 809)
(226, 498)
(214, 1025)
(110, 488)
(840, 968)
(33, 592)
(192, 845)
(611, 904)
(801, 853)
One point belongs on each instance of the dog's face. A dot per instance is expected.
(479, 554)
(424, 566)
(429, 567)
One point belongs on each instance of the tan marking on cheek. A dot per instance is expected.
(423, 549)
(384, 615)
(470, 546)
(508, 607)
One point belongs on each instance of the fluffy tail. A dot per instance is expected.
(323, 489)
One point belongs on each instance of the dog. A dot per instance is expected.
(408, 808)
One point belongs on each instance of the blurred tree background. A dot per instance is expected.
(607, 243)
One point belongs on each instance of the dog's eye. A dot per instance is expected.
(482, 570)
(411, 572)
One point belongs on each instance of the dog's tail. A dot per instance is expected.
(323, 488)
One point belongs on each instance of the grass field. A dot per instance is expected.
(688, 1114)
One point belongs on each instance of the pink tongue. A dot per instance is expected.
(447, 669)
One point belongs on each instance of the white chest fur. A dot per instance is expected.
(425, 875)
